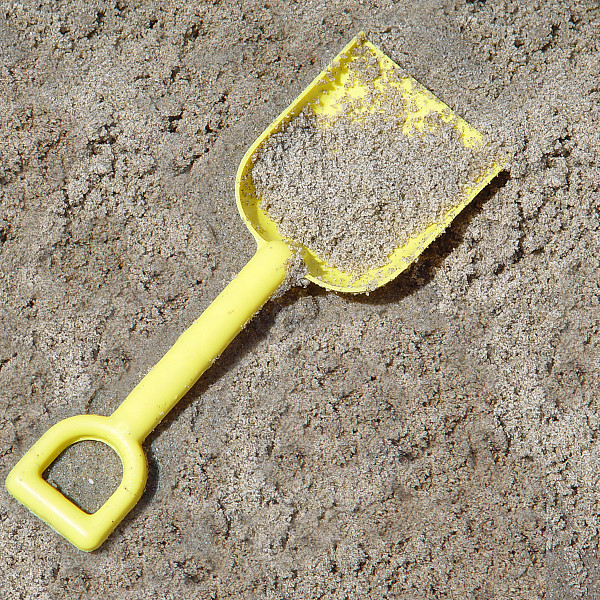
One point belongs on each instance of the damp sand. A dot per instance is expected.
(437, 439)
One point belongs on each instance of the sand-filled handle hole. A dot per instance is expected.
(87, 473)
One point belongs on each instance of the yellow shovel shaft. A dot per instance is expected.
(201, 344)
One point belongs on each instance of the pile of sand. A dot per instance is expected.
(355, 187)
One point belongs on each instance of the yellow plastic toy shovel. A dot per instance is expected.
(205, 340)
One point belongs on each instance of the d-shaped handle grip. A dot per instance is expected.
(86, 531)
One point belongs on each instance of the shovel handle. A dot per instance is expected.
(144, 408)
(199, 346)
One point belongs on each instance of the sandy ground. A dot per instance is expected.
(436, 439)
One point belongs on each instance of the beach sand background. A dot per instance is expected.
(438, 438)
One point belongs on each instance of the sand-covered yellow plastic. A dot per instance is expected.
(323, 95)
(210, 334)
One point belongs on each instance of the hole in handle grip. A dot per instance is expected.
(87, 473)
